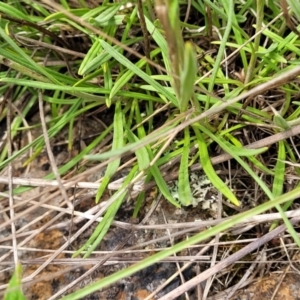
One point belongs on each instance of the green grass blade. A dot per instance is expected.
(118, 142)
(294, 4)
(84, 13)
(92, 53)
(14, 289)
(141, 154)
(240, 151)
(251, 157)
(187, 77)
(162, 186)
(160, 40)
(108, 82)
(31, 62)
(53, 86)
(12, 11)
(124, 78)
(229, 6)
(128, 64)
(108, 218)
(109, 12)
(184, 189)
(279, 170)
(279, 120)
(209, 170)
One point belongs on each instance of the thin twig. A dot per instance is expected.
(205, 248)
(226, 262)
(246, 275)
(50, 153)
(57, 49)
(37, 27)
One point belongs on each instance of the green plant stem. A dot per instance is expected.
(259, 21)
(229, 6)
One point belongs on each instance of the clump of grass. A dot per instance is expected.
(224, 82)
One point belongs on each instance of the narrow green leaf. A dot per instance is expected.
(240, 151)
(229, 7)
(91, 13)
(52, 86)
(117, 20)
(60, 15)
(118, 142)
(14, 289)
(108, 218)
(124, 78)
(29, 60)
(187, 76)
(222, 143)
(256, 162)
(216, 181)
(108, 13)
(160, 40)
(162, 186)
(108, 82)
(279, 170)
(184, 190)
(92, 53)
(294, 4)
(279, 120)
(141, 153)
(93, 65)
(279, 176)
(10, 10)
(128, 64)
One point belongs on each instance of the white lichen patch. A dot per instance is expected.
(203, 192)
